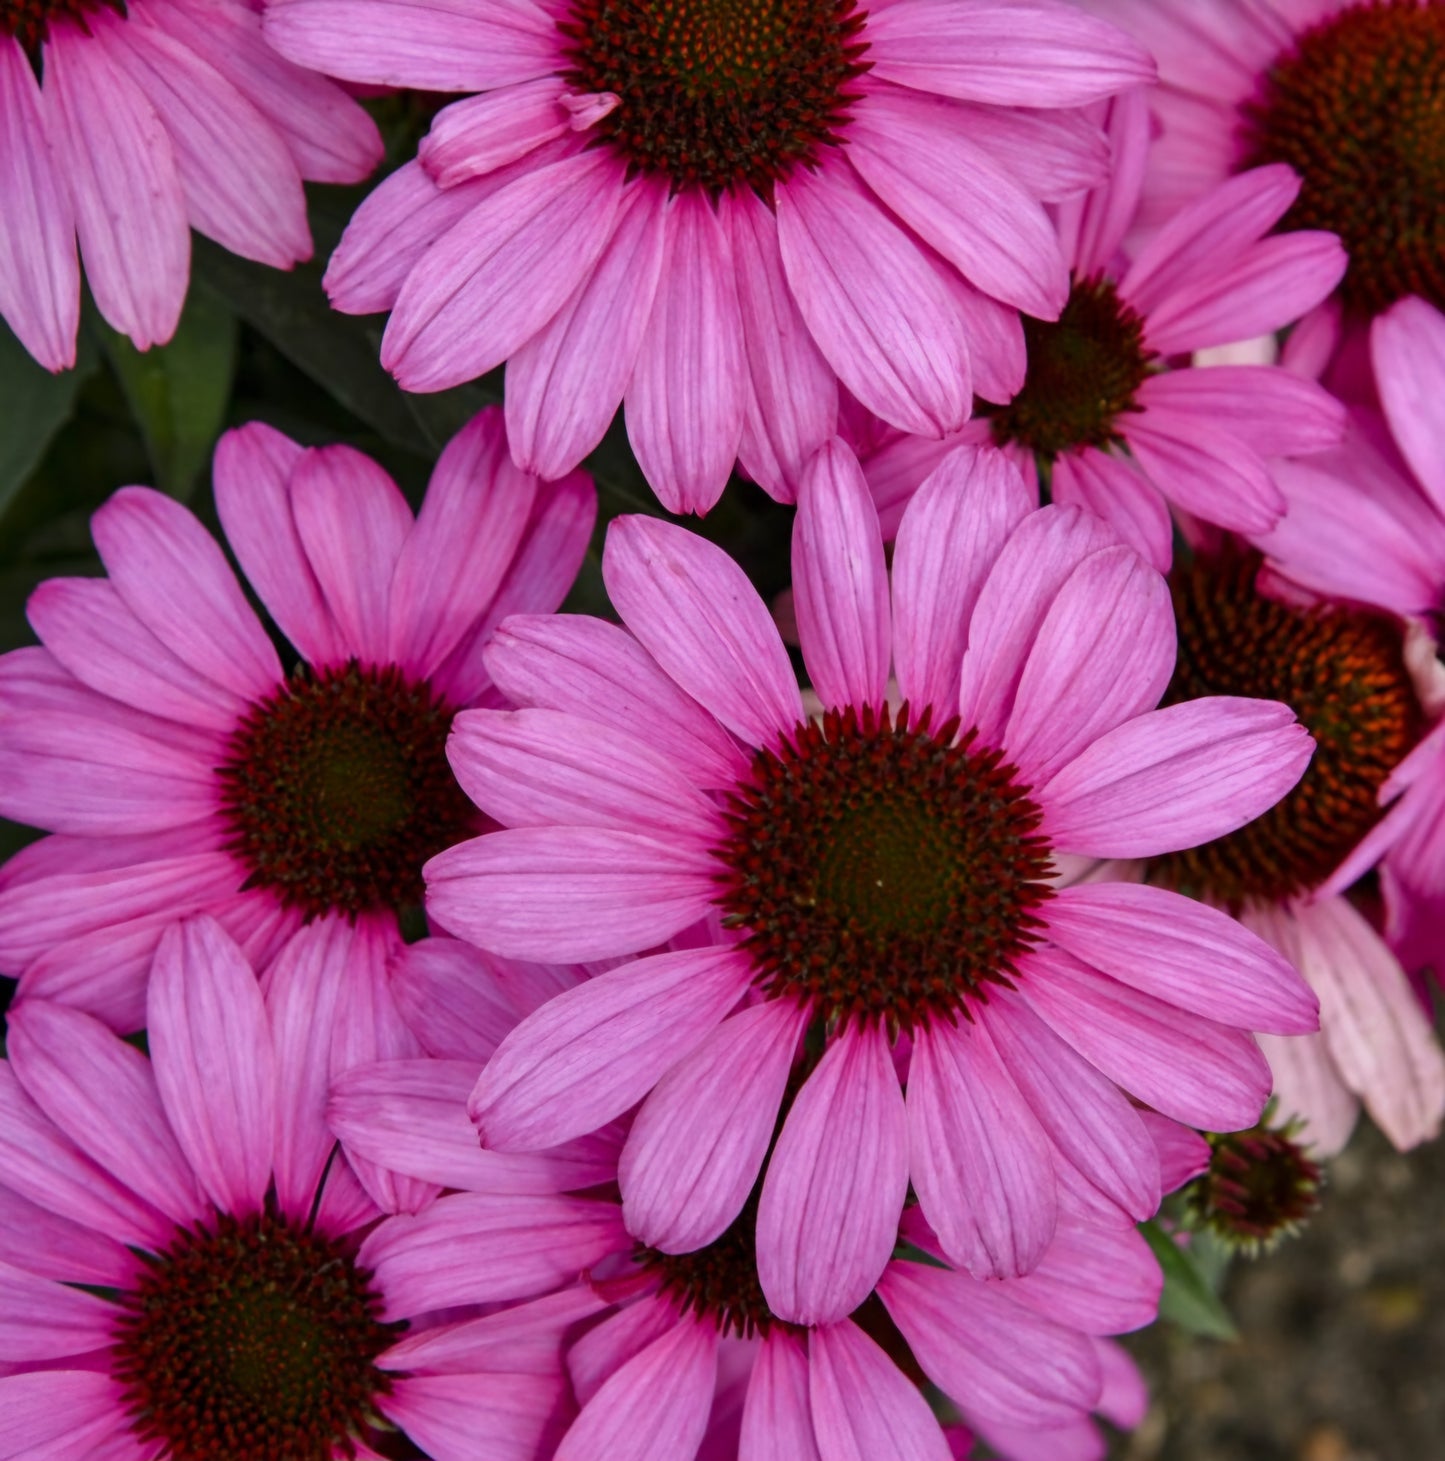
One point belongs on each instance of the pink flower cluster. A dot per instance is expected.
(718, 1030)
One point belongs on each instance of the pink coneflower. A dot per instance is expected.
(694, 1362)
(184, 770)
(1344, 669)
(716, 216)
(1347, 92)
(185, 1273)
(1107, 405)
(127, 123)
(876, 880)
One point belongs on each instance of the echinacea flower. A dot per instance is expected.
(1347, 92)
(184, 770)
(128, 122)
(693, 1362)
(1104, 401)
(877, 879)
(716, 215)
(184, 1273)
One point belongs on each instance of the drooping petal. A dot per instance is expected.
(835, 1185)
(214, 1062)
(1407, 344)
(1096, 1280)
(697, 1144)
(979, 1160)
(688, 393)
(1113, 488)
(840, 582)
(863, 1405)
(591, 1053)
(777, 1414)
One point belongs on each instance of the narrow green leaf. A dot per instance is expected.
(1188, 1299)
(178, 392)
(34, 405)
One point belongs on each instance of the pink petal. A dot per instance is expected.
(353, 524)
(1309, 1089)
(922, 162)
(102, 1094)
(521, 1416)
(863, 1405)
(241, 185)
(1273, 411)
(1113, 488)
(777, 1415)
(331, 138)
(1053, 155)
(441, 45)
(1183, 1153)
(834, 1191)
(980, 1162)
(1088, 1119)
(1373, 1025)
(990, 1354)
(540, 767)
(561, 662)
(43, 1242)
(479, 134)
(1175, 777)
(793, 394)
(591, 1053)
(840, 582)
(1204, 1074)
(303, 990)
(952, 531)
(251, 474)
(1183, 952)
(875, 306)
(565, 383)
(561, 894)
(656, 1405)
(87, 627)
(121, 169)
(60, 1415)
(214, 1062)
(457, 555)
(1092, 226)
(603, 1350)
(1407, 345)
(410, 1117)
(511, 262)
(695, 611)
(1039, 55)
(1096, 1280)
(1125, 1400)
(1020, 586)
(41, 1320)
(487, 1248)
(1103, 653)
(42, 1165)
(39, 271)
(697, 1144)
(174, 578)
(688, 392)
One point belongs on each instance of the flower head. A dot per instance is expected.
(187, 1271)
(1102, 403)
(665, 775)
(151, 117)
(717, 213)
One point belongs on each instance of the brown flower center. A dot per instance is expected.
(718, 93)
(1357, 108)
(1342, 672)
(1084, 373)
(881, 871)
(1260, 1187)
(337, 789)
(252, 1340)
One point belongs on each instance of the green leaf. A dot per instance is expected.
(339, 352)
(178, 392)
(1188, 1299)
(34, 405)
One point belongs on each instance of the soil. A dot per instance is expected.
(1342, 1348)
